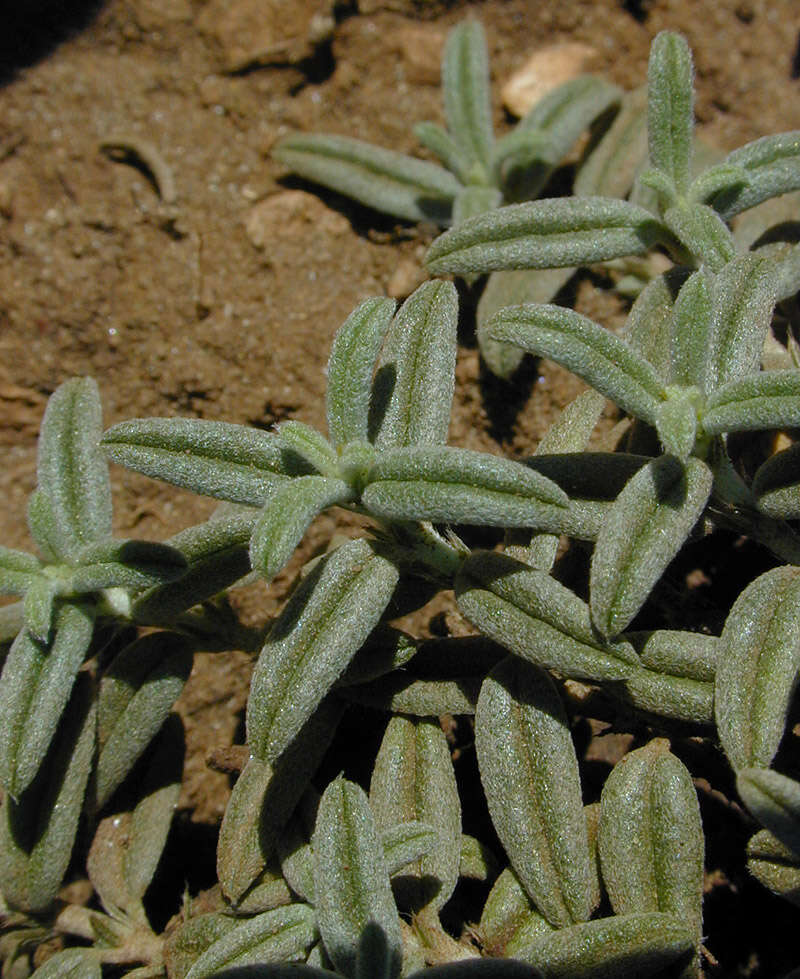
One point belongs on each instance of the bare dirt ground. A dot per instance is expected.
(222, 303)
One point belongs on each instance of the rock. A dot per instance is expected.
(408, 274)
(154, 15)
(543, 71)
(292, 214)
(262, 32)
(421, 51)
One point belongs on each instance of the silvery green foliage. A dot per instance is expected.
(390, 388)
(685, 213)
(476, 173)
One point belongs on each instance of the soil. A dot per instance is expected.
(222, 303)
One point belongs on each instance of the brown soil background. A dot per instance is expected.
(224, 304)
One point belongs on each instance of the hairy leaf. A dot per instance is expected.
(322, 626)
(776, 484)
(757, 668)
(351, 366)
(413, 779)
(465, 88)
(611, 168)
(351, 882)
(770, 399)
(34, 689)
(538, 619)
(774, 800)
(413, 389)
(530, 776)
(772, 164)
(391, 182)
(670, 110)
(645, 529)
(598, 357)
(71, 469)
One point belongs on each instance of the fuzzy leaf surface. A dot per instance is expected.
(604, 361)
(136, 695)
(219, 459)
(670, 110)
(530, 777)
(351, 365)
(390, 182)
(34, 689)
(612, 166)
(320, 629)
(627, 946)
(545, 234)
(288, 515)
(217, 553)
(413, 389)
(774, 800)
(776, 484)
(282, 935)
(538, 619)
(71, 469)
(38, 828)
(71, 963)
(645, 529)
(17, 571)
(509, 917)
(465, 89)
(770, 399)
(774, 865)
(134, 564)
(757, 669)
(772, 164)
(450, 485)
(691, 331)
(413, 780)
(351, 882)
(703, 233)
(651, 840)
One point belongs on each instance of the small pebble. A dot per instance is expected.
(543, 71)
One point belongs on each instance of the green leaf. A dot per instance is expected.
(538, 619)
(127, 846)
(386, 649)
(776, 484)
(743, 296)
(601, 359)
(465, 89)
(134, 564)
(136, 695)
(651, 840)
(408, 842)
(217, 554)
(612, 166)
(643, 532)
(627, 946)
(444, 484)
(509, 917)
(17, 571)
(38, 827)
(475, 199)
(670, 108)
(587, 475)
(282, 935)
(401, 694)
(72, 963)
(39, 605)
(774, 865)
(772, 164)
(676, 421)
(351, 882)
(183, 945)
(304, 449)
(690, 336)
(413, 779)
(757, 668)
(442, 145)
(34, 689)
(702, 232)
(774, 800)
(512, 288)
(322, 626)
(558, 119)
(770, 399)
(723, 179)
(288, 515)
(658, 694)
(263, 799)
(693, 655)
(530, 777)
(649, 328)
(522, 161)
(354, 354)
(391, 182)
(71, 469)
(563, 231)
(413, 389)
(219, 459)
